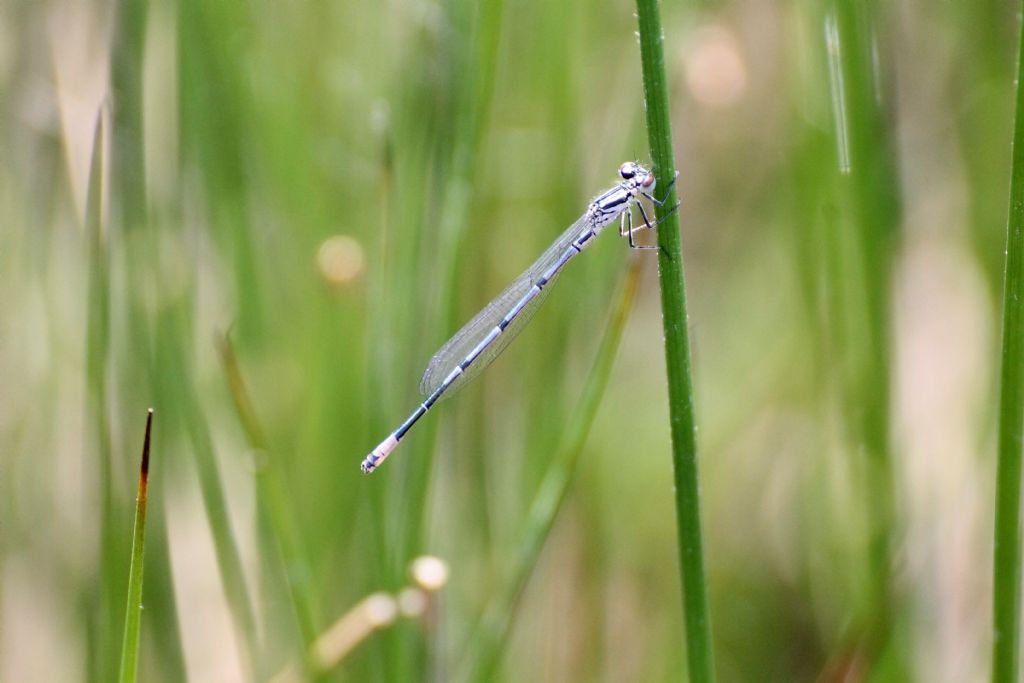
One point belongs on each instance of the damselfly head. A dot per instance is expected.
(638, 174)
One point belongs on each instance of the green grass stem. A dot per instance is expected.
(1007, 547)
(133, 611)
(272, 497)
(127, 190)
(677, 353)
(99, 610)
(229, 558)
(870, 189)
(487, 645)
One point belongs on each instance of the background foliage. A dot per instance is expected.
(295, 204)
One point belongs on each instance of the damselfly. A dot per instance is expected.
(480, 341)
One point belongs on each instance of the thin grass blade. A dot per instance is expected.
(272, 498)
(133, 611)
(1007, 546)
(487, 645)
(677, 352)
(870, 193)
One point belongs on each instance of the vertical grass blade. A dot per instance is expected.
(133, 611)
(127, 217)
(677, 352)
(97, 351)
(1007, 549)
(481, 33)
(484, 651)
(869, 187)
(272, 498)
(226, 545)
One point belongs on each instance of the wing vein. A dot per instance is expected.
(456, 349)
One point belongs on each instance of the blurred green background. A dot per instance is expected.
(308, 198)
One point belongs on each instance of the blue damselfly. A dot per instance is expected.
(480, 341)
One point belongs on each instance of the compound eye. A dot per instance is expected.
(626, 171)
(649, 180)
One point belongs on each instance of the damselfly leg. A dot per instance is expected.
(626, 228)
(668, 191)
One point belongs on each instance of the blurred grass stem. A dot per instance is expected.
(870, 189)
(272, 498)
(677, 353)
(490, 637)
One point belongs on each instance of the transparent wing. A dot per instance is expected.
(465, 340)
